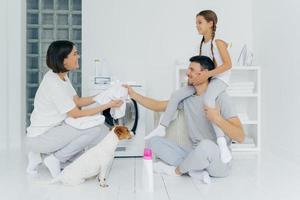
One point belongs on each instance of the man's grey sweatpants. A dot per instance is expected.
(65, 141)
(205, 156)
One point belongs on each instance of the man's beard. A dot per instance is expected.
(190, 83)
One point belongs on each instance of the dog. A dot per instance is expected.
(94, 162)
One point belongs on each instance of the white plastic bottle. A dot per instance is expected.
(101, 67)
(147, 171)
(98, 68)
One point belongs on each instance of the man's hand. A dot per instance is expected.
(202, 77)
(147, 102)
(213, 114)
(130, 90)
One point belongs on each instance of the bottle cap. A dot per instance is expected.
(147, 154)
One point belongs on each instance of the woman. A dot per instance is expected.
(56, 100)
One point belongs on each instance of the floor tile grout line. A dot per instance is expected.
(134, 176)
(165, 187)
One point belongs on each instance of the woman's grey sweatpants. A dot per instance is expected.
(215, 88)
(65, 141)
(205, 156)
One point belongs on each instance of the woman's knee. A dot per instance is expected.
(37, 146)
(97, 139)
(94, 132)
(30, 144)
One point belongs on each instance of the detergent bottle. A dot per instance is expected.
(147, 179)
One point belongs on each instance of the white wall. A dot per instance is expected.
(12, 73)
(142, 39)
(146, 37)
(3, 75)
(276, 42)
(140, 36)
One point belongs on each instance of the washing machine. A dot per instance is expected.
(134, 119)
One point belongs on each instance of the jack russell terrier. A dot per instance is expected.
(95, 161)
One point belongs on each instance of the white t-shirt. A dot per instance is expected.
(53, 99)
(206, 51)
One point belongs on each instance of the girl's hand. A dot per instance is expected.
(202, 77)
(213, 114)
(130, 90)
(115, 103)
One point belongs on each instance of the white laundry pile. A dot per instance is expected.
(240, 88)
(115, 92)
(85, 122)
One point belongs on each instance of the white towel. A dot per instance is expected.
(115, 92)
(85, 122)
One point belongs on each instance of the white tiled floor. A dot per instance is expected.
(254, 176)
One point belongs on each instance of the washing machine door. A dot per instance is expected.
(130, 119)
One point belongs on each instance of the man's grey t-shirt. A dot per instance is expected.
(198, 125)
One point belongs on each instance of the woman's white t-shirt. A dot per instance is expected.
(53, 99)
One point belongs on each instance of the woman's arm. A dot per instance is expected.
(147, 102)
(83, 101)
(76, 112)
(222, 47)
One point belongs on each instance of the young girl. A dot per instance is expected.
(219, 77)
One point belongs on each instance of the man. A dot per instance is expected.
(202, 160)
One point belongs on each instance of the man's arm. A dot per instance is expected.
(147, 102)
(231, 127)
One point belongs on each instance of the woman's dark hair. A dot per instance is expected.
(205, 62)
(56, 53)
(209, 16)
